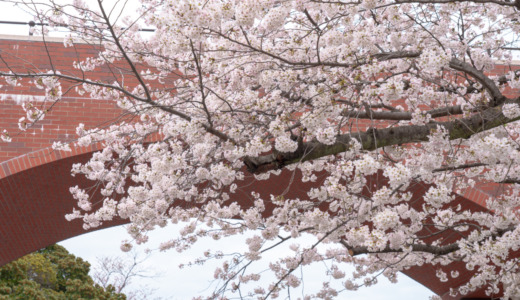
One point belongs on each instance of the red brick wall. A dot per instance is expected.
(60, 123)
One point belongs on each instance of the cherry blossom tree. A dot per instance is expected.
(356, 103)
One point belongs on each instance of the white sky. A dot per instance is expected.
(192, 281)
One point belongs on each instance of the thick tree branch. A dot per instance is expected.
(511, 181)
(402, 115)
(459, 167)
(432, 249)
(398, 54)
(435, 250)
(503, 3)
(376, 138)
(488, 84)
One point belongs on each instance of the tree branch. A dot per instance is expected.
(503, 3)
(488, 84)
(453, 168)
(153, 104)
(432, 249)
(376, 138)
(402, 115)
(435, 250)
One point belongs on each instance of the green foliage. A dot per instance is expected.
(51, 274)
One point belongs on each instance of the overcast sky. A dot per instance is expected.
(172, 282)
(192, 281)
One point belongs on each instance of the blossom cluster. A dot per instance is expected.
(367, 121)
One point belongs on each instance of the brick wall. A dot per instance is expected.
(61, 121)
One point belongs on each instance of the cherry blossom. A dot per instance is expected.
(358, 104)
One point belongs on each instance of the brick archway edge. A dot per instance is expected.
(35, 197)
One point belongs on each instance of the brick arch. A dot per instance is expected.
(34, 198)
(35, 180)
